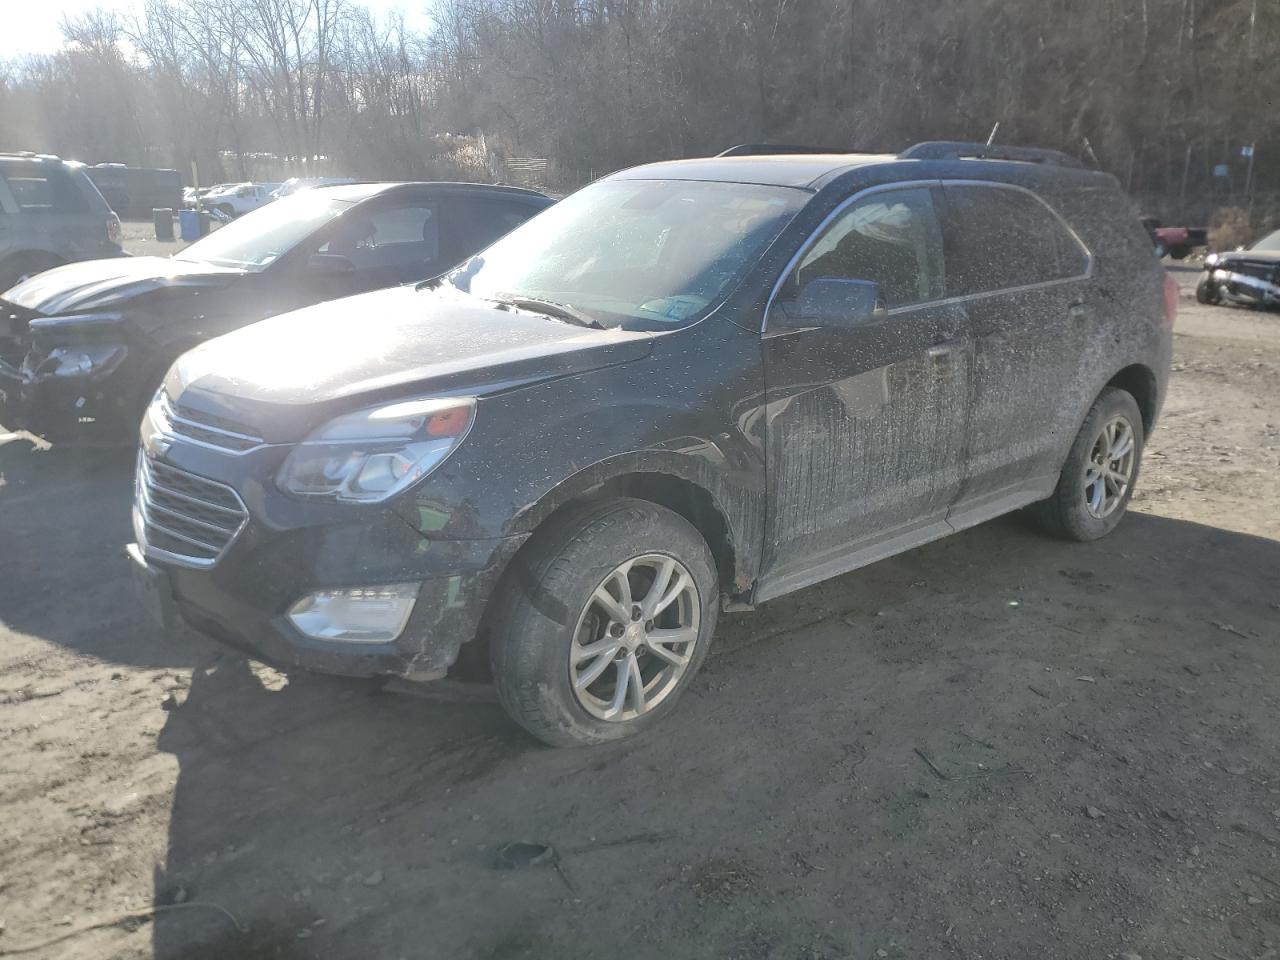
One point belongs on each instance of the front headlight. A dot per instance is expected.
(81, 361)
(1211, 261)
(373, 454)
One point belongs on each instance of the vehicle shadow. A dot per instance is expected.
(64, 521)
(788, 787)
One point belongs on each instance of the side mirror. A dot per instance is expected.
(330, 264)
(834, 302)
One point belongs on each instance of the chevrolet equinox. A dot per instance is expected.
(691, 386)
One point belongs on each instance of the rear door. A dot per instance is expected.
(865, 421)
(1022, 275)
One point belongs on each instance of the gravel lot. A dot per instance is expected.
(997, 746)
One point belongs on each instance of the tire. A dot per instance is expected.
(1068, 513)
(547, 611)
(1207, 292)
(1179, 253)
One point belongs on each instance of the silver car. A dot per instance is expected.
(50, 214)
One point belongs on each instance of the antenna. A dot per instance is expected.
(992, 139)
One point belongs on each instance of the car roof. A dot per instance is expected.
(813, 169)
(355, 192)
(803, 170)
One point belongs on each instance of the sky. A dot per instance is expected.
(32, 27)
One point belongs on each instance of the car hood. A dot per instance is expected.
(1257, 256)
(103, 284)
(288, 373)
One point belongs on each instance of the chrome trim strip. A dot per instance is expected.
(169, 532)
(190, 499)
(171, 417)
(948, 301)
(152, 505)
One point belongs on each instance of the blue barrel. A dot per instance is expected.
(189, 224)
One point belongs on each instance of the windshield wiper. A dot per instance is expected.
(561, 311)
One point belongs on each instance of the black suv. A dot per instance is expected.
(84, 347)
(690, 386)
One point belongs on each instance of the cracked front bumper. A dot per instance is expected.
(243, 601)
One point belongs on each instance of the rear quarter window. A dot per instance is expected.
(996, 238)
(42, 188)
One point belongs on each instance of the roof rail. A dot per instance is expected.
(772, 149)
(29, 155)
(961, 149)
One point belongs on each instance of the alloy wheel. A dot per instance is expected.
(1109, 470)
(635, 638)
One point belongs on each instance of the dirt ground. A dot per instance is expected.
(997, 746)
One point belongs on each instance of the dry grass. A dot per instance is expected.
(1229, 228)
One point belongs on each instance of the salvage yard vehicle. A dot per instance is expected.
(1175, 242)
(691, 386)
(237, 199)
(50, 214)
(83, 348)
(133, 192)
(1250, 275)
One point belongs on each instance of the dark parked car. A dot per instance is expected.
(1249, 276)
(133, 192)
(690, 386)
(50, 214)
(93, 340)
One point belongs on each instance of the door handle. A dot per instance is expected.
(941, 352)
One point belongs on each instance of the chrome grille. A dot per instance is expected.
(182, 517)
(184, 424)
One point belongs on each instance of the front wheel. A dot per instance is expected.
(1207, 292)
(1097, 480)
(603, 623)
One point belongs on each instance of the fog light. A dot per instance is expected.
(361, 614)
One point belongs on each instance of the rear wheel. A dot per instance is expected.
(1098, 477)
(604, 622)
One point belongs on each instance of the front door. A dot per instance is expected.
(866, 421)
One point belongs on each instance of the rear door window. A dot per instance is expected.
(997, 238)
(472, 223)
(402, 238)
(42, 188)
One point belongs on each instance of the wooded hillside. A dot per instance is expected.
(1162, 89)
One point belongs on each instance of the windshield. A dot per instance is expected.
(645, 254)
(258, 239)
(1270, 243)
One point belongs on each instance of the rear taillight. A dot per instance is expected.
(114, 232)
(1170, 298)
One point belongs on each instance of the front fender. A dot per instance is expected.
(535, 449)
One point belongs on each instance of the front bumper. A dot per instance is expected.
(447, 613)
(49, 405)
(284, 549)
(1246, 288)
